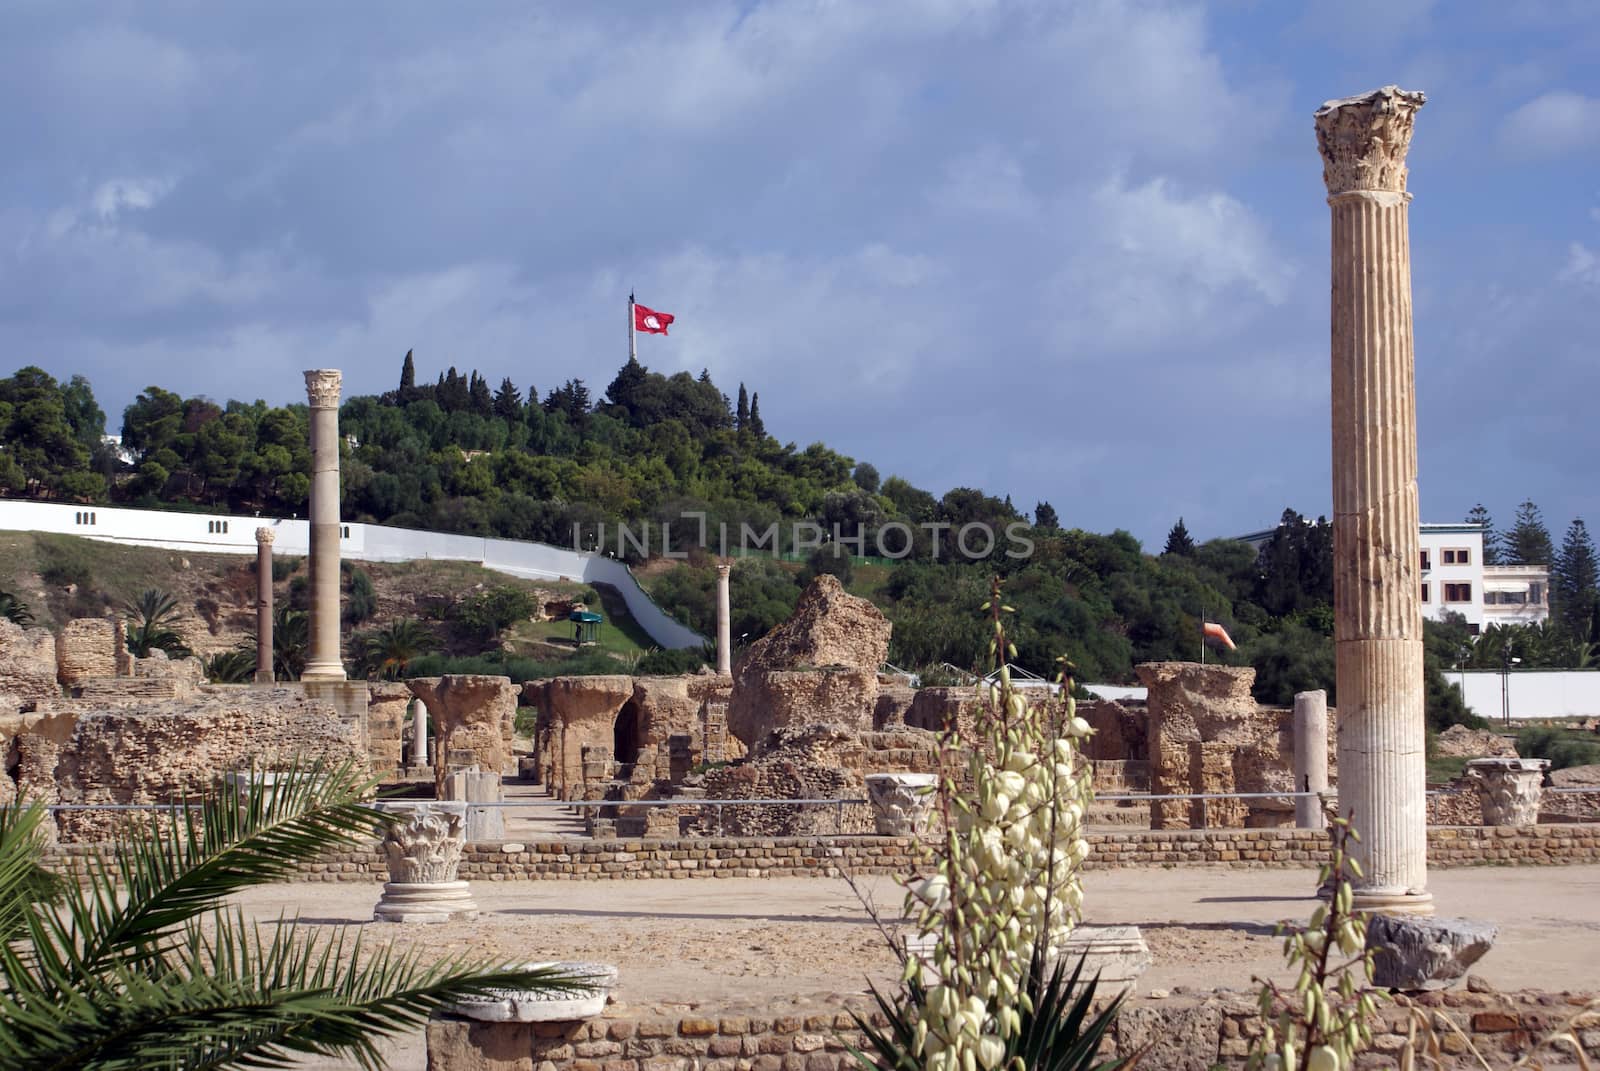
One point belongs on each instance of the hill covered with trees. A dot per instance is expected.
(456, 454)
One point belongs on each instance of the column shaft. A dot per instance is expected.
(724, 623)
(323, 661)
(1310, 756)
(264, 667)
(1376, 551)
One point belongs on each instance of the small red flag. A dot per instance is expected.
(650, 321)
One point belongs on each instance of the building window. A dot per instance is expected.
(1457, 556)
(1427, 563)
(1536, 594)
(1425, 593)
(1458, 592)
(344, 531)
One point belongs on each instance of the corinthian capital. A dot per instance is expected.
(265, 535)
(322, 387)
(1364, 139)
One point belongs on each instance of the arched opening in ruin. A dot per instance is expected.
(627, 734)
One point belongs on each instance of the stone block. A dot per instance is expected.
(1422, 953)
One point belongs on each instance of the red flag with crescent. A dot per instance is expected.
(650, 321)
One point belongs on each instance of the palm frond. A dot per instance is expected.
(122, 972)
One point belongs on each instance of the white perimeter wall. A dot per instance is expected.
(365, 542)
(1533, 693)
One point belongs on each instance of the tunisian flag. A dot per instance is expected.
(650, 321)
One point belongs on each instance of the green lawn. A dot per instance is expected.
(620, 633)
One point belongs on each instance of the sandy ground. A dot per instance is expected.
(706, 940)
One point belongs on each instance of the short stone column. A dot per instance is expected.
(322, 660)
(1510, 790)
(422, 844)
(1376, 549)
(1310, 757)
(264, 668)
(585, 1001)
(901, 802)
(724, 622)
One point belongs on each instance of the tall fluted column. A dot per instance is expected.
(323, 662)
(724, 622)
(1376, 551)
(264, 537)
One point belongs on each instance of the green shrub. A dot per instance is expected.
(671, 662)
(495, 664)
(483, 615)
(361, 599)
(64, 562)
(285, 567)
(1562, 747)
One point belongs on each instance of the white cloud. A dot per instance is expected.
(1147, 265)
(142, 193)
(1583, 265)
(1552, 124)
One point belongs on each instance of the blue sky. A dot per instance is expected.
(1064, 250)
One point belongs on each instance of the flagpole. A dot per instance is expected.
(632, 353)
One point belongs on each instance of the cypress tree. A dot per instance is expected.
(757, 428)
(408, 379)
(508, 401)
(1044, 516)
(741, 416)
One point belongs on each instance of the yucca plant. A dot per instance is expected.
(237, 666)
(141, 965)
(1059, 1030)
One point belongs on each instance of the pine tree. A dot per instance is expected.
(741, 416)
(1044, 516)
(408, 379)
(1573, 580)
(757, 428)
(508, 401)
(705, 376)
(1491, 538)
(1528, 542)
(1178, 540)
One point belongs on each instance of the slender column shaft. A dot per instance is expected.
(1376, 551)
(724, 623)
(419, 734)
(1310, 756)
(323, 661)
(264, 537)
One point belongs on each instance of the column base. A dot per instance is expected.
(433, 901)
(1391, 902)
(323, 671)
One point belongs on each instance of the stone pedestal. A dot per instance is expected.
(1376, 549)
(1510, 789)
(264, 668)
(543, 1006)
(724, 623)
(901, 802)
(1310, 757)
(479, 787)
(422, 845)
(322, 659)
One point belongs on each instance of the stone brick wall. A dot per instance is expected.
(749, 857)
(1189, 1031)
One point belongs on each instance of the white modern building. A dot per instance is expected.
(1455, 580)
